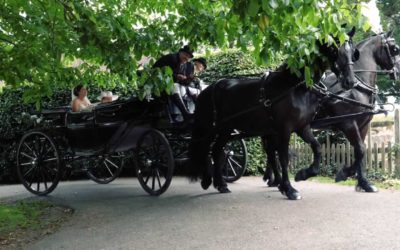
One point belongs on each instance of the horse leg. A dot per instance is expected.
(285, 187)
(362, 182)
(219, 157)
(199, 149)
(356, 137)
(352, 134)
(271, 172)
(313, 170)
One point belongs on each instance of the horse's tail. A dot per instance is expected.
(198, 153)
(202, 136)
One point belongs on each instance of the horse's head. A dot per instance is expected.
(341, 60)
(388, 52)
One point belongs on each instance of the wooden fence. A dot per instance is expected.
(384, 157)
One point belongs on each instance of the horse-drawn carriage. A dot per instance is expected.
(102, 141)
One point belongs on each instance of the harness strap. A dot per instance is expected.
(349, 100)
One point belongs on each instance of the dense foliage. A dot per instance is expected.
(40, 41)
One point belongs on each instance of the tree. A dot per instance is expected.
(39, 39)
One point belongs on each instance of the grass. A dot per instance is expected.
(21, 215)
(392, 184)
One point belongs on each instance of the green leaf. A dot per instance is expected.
(253, 8)
(307, 75)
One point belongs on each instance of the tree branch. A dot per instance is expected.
(7, 41)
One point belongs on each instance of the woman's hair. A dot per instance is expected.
(77, 89)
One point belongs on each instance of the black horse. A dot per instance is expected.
(278, 104)
(380, 50)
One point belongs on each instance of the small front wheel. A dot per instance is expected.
(38, 163)
(154, 162)
(106, 168)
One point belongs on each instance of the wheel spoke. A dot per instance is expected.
(233, 170)
(29, 171)
(158, 179)
(25, 164)
(50, 159)
(47, 151)
(154, 180)
(112, 163)
(109, 171)
(26, 145)
(147, 179)
(44, 180)
(51, 170)
(237, 163)
(26, 155)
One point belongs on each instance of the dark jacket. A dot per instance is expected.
(172, 61)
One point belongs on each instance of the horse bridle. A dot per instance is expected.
(396, 51)
(392, 55)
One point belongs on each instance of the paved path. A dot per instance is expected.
(121, 215)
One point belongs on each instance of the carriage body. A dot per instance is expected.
(102, 141)
(99, 142)
(91, 132)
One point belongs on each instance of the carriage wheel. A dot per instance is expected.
(106, 168)
(38, 163)
(154, 162)
(235, 161)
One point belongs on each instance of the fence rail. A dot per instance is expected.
(383, 157)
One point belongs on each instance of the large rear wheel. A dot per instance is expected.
(38, 163)
(154, 162)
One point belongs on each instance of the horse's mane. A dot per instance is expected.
(282, 79)
(364, 42)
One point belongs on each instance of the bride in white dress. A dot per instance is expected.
(80, 102)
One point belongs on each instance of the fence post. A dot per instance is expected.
(369, 150)
(348, 153)
(397, 141)
(396, 127)
(333, 155)
(343, 155)
(383, 157)
(328, 152)
(376, 163)
(323, 157)
(390, 168)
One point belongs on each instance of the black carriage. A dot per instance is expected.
(104, 140)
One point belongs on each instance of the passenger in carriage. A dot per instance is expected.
(178, 63)
(195, 85)
(107, 96)
(80, 102)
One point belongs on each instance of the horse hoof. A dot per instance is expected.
(301, 175)
(206, 183)
(293, 195)
(223, 190)
(340, 176)
(368, 188)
